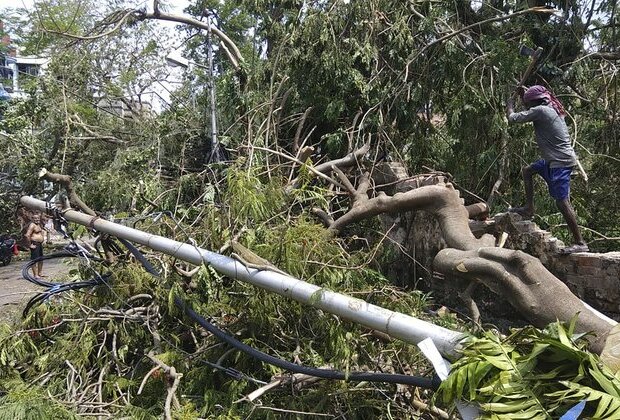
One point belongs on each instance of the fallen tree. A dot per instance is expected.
(133, 336)
(521, 279)
(539, 296)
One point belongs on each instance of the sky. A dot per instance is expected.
(173, 6)
(176, 6)
(15, 3)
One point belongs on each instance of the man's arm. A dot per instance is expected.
(510, 107)
(28, 235)
(529, 115)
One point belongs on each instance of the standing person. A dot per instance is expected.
(48, 227)
(558, 157)
(34, 239)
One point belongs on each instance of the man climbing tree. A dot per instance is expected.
(558, 157)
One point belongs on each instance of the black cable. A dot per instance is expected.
(56, 288)
(430, 383)
(422, 382)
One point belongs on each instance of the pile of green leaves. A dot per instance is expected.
(533, 374)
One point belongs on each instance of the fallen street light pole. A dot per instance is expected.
(395, 324)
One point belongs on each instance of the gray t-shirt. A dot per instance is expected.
(551, 135)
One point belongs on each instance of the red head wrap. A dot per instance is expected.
(540, 92)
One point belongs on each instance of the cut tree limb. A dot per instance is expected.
(349, 160)
(477, 210)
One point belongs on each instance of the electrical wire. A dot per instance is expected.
(422, 382)
(74, 250)
(54, 288)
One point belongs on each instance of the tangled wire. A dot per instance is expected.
(73, 250)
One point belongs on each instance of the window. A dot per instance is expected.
(28, 69)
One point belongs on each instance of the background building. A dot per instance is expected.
(16, 69)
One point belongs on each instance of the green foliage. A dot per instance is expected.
(252, 200)
(366, 72)
(532, 374)
(14, 348)
(27, 402)
(94, 345)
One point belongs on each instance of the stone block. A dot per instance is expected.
(576, 281)
(388, 172)
(605, 298)
(587, 260)
(610, 284)
(598, 301)
(576, 289)
(613, 257)
(553, 246)
(526, 227)
(590, 271)
(612, 271)
(563, 267)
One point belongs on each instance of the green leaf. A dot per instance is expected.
(608, 405)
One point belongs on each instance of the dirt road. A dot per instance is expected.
(15, 291)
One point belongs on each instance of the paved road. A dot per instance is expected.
(15, 291)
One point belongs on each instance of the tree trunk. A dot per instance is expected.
(522, 279)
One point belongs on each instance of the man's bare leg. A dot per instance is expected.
(40, 268)
(528, 181)
(570, 217)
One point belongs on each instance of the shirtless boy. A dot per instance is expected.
(35, 238)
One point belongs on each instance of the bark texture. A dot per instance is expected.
(442, 201)
(537, 294)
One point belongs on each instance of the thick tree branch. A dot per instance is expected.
(470, 303)
(349, 160)
(226, 41)
(611, 56)
(67, 183)
(440, 200)
(477, 210)
(294, 159)
(324, 169)
(522, 279)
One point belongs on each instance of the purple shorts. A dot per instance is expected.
(557, 179)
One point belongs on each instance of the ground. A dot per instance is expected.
(15, 290)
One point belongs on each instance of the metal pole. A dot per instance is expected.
(214, 143)
(395, 324)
